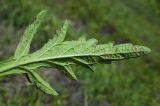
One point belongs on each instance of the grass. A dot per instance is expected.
(133, 82)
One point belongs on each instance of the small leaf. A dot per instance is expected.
(67, 69)
(58, 38)
(24, 45)
(69, 72)
(61, 33)
(39, 82)
(87, 62)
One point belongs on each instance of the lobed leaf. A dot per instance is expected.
(63, 54)
(24, 45)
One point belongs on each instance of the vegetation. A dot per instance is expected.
(60, 53)
(131, 82)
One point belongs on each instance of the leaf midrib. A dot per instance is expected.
(16, 64)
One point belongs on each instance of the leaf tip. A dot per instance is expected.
(66, 24)
(147, 50)
(41, 15)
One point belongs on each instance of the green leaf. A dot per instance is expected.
(66, 68)
(58, 39)
(24, 45)
(87, 62)
(39, 82)
(63, 54)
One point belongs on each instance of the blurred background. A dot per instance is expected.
(133, 82)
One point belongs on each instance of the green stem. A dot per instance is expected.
(8, 69)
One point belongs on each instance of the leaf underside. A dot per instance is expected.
(63, 54)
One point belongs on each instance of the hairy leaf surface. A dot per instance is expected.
(24, 45)
(60, 54)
